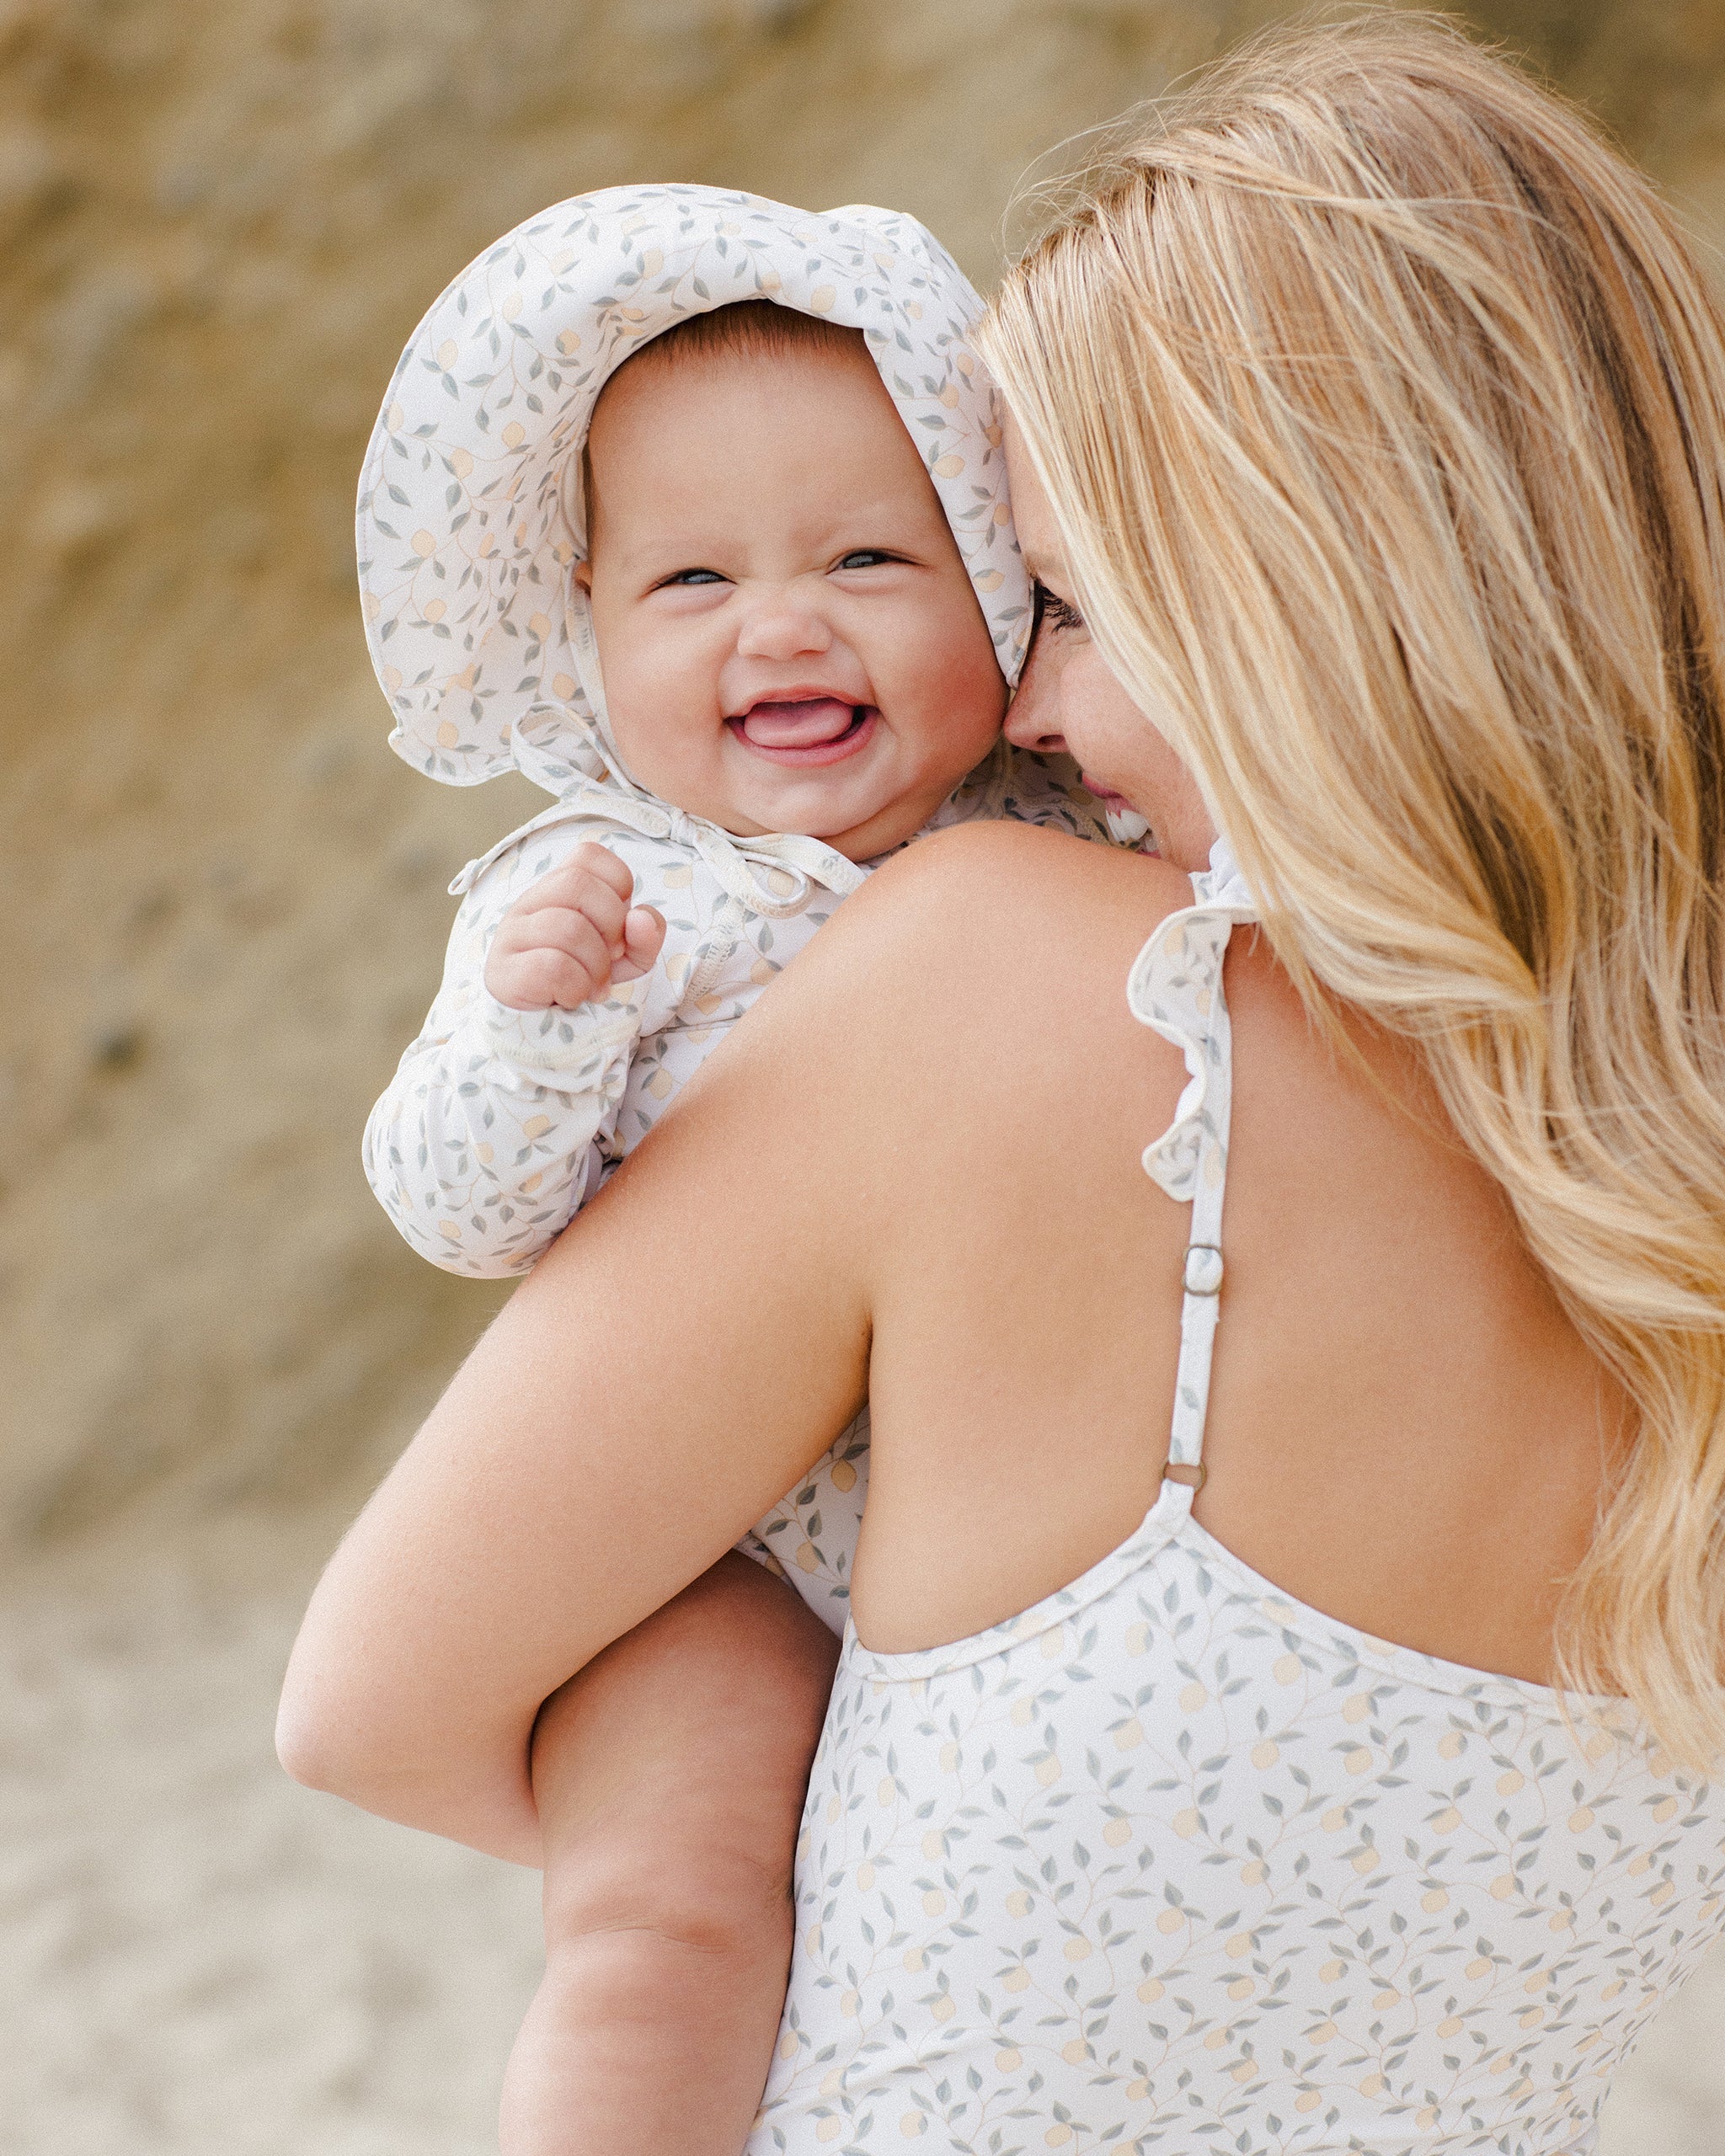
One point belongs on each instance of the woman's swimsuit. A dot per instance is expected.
(1174, 1862)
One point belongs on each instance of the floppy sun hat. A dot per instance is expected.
(470, 517)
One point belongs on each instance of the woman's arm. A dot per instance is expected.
(690, 1346)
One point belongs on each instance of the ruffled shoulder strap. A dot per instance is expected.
(1175, 987)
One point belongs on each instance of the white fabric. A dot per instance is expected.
(1173, 1862)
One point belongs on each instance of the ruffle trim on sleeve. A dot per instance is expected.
(1173, 989)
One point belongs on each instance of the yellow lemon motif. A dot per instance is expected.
(1451, 1744)
(934, 1902)
(1308, 2100)
(513, 434)
(1016, 1980)
(1479, 1966)
(788, 2044)
(1331, 1972)
(1075, 2052)
(1192, 1696)
(1434, 1901)
(1580, 1821)
(1265, 1753)
(1008, 2060)
(1185, 1823)
(1358, 1761)
(844, 1475)
(911, 2125)
(1357, 1707)
(424, 545)
(1665, 1809)
(1450, 2026)
(1078, 1950)
(865, 1876)
(916, 1961)
(934, 1842)
(1117, 1833)
(1373, 2085)
(448, 735)
(1255, 1873)
(1151, 1990)
(943, 2008)
(1507, 1783)
(820, 300)
(1241, 1988)
(1019, 1902)
(1170, 1920)
(1503, 1887)
(1048, 1771)
(829, 2130)
(1129, 1735)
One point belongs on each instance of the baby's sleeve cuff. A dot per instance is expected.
(584, 1051)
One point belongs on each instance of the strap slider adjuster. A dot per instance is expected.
(1204, 1269)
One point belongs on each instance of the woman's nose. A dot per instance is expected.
(1032, 717)
(781, 627)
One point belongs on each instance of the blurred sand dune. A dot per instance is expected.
(218, 223)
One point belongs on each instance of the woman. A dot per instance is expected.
(1369, 426)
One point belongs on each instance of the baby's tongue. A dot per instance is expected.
(802, 725)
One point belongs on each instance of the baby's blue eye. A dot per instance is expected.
(695, 576)
(865, 558)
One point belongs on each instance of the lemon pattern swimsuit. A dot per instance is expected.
(1173, 1862)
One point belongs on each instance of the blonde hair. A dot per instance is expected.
(1381, 406)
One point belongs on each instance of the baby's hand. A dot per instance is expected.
(566, 940)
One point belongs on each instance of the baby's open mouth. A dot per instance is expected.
(805, 730)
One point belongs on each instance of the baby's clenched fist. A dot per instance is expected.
(574, 933)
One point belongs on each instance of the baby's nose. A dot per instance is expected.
(782, 626)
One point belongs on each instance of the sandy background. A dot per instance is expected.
(219, 221)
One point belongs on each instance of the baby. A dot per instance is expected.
(691, 507)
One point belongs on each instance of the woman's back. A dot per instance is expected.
(1405, 1430)
(1186, 1850)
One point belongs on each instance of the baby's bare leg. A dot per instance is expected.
(669, 1776)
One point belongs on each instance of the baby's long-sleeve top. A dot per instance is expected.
(500, 1123)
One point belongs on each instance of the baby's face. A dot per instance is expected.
(789, 637)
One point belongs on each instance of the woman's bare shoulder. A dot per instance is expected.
(978, 916)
